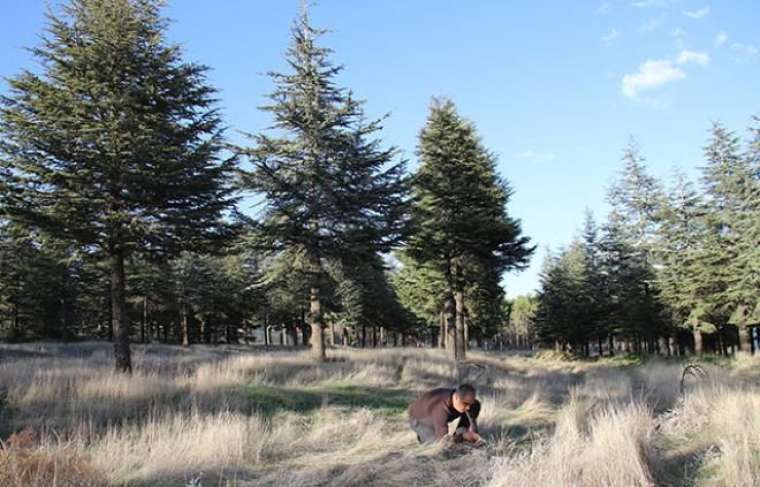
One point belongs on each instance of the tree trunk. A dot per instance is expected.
(144, 323)
(745, 341)
(460, 344)
(332, 334)
(183, 325)
(466, 321)
(451, 336)
(119, 319)
(374, 337)
(442, 332)
(317, 337)
(697, 341)
(395, 339)
(15, 318)
(382, 336)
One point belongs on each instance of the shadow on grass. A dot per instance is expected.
(270, 399)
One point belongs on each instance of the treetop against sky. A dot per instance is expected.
(555, 88)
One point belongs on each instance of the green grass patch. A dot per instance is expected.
(270, 399)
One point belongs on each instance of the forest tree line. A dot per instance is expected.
(674, 269)
(120, 200)
(121, 217)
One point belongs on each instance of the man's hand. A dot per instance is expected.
(470, 437)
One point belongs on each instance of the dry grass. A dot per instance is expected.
(230, 416)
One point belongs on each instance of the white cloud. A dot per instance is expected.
(611, 36)
(721, 38)
(697, 14)
(745, 52)
(537, 156)
(651, 74)
(701, 58)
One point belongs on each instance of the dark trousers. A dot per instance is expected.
(426, 433)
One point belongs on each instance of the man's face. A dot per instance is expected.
(463, 403)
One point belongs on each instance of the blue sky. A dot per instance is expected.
(555, 87)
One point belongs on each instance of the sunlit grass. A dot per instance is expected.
(226, 416)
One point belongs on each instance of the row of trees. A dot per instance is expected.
(672, 268)
(118, 195)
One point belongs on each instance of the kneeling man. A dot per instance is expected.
(430, 415)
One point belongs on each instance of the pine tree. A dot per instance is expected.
(521, 320)
(561, 315)
(597, 282)
(634, 197)
(677, 249)
(115, 145)
(460, 218)
(747, 286)
(635, 310)
(330, 191)
(420, 289)
(631, 235)
(725, 298)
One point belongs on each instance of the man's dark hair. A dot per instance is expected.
(465, 390)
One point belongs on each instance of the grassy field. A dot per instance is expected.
(228, 416)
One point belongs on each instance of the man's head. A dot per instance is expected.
(463, 398)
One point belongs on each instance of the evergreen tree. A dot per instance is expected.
(460, 219)
(634, 198)
(597, 282)
(330, 191)
(547, 321)
(115, 144)
(635, 311)
(563, 300)
(484, 312)
(522, 314)
(366, 298)
(677, 249)
(630, 242)
(420, 289)
(725, 293)
(747, 287)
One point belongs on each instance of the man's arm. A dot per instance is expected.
(472, 416)
(441, 426)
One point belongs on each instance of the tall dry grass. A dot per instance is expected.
(231, 416)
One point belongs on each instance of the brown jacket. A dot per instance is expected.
(435, 408)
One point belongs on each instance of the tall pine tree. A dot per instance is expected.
(115, 144)
(330, 191)
(460, 218)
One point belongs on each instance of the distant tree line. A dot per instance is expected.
(120, 195)
(672, 270)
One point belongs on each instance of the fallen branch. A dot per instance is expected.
(693, 370)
